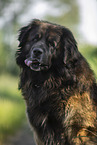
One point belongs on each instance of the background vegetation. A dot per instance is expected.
(12, 16)
(11, 106)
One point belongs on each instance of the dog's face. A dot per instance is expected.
(41, 42)
(42, 47)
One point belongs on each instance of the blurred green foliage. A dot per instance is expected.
(90, 53)
(12, 108)
(7, 56)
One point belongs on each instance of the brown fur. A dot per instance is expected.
(61, 95)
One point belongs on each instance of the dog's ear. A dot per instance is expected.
(70, 46)
(24, 31)
(23, 34)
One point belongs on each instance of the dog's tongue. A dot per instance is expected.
(28, 62)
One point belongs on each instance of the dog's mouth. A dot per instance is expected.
(36, 65)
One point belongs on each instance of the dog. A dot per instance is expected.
(58, 86)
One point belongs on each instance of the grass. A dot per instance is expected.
(12, 107)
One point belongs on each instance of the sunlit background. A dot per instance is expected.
(80, 16)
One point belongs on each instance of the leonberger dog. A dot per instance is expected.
(58, 86)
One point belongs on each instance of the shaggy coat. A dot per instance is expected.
(58, 86)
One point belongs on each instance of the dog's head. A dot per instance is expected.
(41, 43)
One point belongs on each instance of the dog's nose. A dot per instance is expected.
(37, 51)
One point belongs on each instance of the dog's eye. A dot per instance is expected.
(53, 43)
(36, 38)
